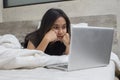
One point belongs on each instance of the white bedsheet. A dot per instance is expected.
(12, 57)
(102, 73)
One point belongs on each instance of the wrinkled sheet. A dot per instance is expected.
(12, 55)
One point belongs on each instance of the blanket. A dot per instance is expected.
(12, 55)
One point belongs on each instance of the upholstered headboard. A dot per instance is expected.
(21, 28)
(18, 28)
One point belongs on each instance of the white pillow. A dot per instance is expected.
(39, 23)
(80, 25)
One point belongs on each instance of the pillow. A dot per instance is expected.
(80, 25)
(39, 23)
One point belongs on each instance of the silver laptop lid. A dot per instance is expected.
(90, 47)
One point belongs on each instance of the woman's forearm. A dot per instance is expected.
(67, 50)
(42, 46)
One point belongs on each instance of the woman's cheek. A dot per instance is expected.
(56, 31)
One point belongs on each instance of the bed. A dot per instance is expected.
(103, 73)
(29, 65)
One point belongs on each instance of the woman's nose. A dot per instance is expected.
(60, 31)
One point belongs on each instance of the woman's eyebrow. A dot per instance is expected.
(65, 24)
(55, 24)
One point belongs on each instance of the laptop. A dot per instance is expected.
(90, 47)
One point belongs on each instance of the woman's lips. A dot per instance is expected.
(60, 37)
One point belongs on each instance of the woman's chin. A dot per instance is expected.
(59, 39)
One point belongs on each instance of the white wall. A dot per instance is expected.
(118, 15)
(1, 8)
(72, 8)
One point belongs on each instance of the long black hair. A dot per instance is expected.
(46, 24)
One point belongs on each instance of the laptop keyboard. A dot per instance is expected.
(63, 66)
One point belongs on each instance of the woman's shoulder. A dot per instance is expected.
(31, 35)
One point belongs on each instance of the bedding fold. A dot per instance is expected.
(12, 55)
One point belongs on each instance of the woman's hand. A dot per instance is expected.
(66, 39)
(51, 36)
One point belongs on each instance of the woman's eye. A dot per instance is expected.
(55, 27)
(64, 26)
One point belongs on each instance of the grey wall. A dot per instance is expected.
(118, 25)
(74, 8)
(1, 8)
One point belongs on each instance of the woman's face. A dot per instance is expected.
(60, 27)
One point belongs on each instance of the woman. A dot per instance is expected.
(53, 36)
